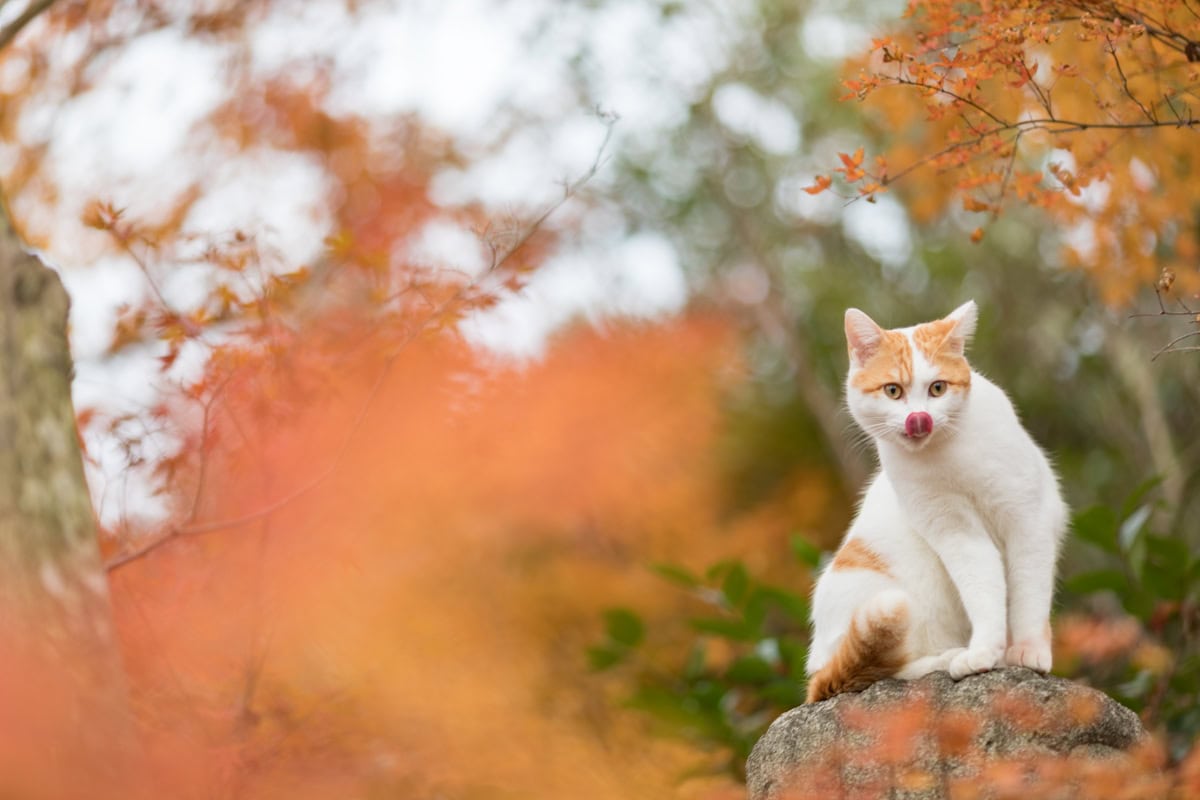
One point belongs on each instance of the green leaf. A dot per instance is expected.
(681, 711)
(1163, 585)
(718, 570)
(602, 657)
(624, 627)
(736, 582)
(1166, 573)
(1097, 526)
(1193, 579)
(726, 628)
(708, 694)
(793, 653)
(754, 613)
(752, 669)
(1139, 492)
(677, 575)
(784, 693)
(1170, 551)
(791, 603)
(1098, 581)
(805, 551)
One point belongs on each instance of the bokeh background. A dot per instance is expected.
(460, 383)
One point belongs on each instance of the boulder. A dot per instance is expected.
(937, 738)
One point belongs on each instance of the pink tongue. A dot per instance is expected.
(918, 424)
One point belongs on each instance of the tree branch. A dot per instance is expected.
(499, 257)
(1112, 50)
(31, 12)
(1169, 347)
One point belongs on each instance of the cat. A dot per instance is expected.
(950, 561)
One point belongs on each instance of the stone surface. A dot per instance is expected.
(914, 739)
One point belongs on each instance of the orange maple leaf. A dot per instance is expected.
(852, 165)
(823, 183)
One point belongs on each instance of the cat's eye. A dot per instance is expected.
(937, 388)
(893, 390)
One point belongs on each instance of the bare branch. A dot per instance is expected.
(31, 12)
(955, 96)
(1169, 347)
(1163, 311)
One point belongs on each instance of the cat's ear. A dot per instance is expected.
(964, 318)
(863, 336)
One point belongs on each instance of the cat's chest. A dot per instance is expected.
(925, 486)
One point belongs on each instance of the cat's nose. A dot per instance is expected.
(918, 425)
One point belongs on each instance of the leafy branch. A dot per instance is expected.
(501, 252)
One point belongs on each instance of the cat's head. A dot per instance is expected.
(908, 385)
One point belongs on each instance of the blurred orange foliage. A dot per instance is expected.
(415, 624)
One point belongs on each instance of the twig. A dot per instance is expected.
(1163, 311)
(1031, 81)
(200, 477)
(31, 12)
(1170, 346)
(1050, 125)
(1112, 49)
(498, 260)
(1008, 171)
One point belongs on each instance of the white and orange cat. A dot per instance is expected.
(950, 561)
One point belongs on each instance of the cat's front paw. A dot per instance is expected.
(976, 659)
(1032, 653)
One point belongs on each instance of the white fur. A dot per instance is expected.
(968, 521)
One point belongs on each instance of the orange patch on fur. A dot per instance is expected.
(930, 336)
(856, 555)
(930, 339)
(892, 363)
(870, 651)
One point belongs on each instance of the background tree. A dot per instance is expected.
(1086, 110)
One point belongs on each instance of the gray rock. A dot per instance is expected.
(914, 739)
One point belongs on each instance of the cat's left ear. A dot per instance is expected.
(964, 318)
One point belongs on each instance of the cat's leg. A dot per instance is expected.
(927, 664)
(1033, 549)
(977, 571)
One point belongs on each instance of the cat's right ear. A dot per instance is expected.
(863, 336)
(964, 318)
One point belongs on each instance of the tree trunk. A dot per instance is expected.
(62, 690)
(49, 553)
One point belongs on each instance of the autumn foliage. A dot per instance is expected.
(1085, 111)
(416, 620)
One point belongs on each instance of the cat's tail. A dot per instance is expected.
(871, 650)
